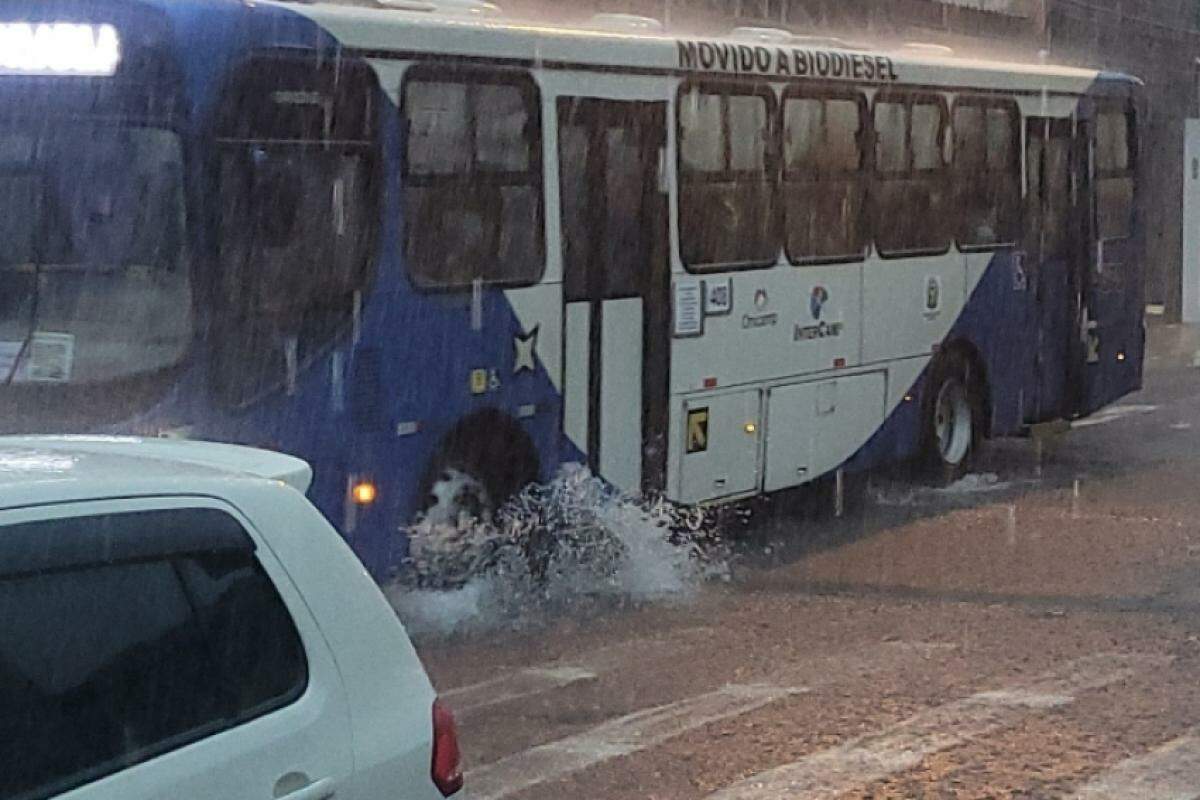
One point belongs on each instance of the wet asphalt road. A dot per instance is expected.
(1034, 633)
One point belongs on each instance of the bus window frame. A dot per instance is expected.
(866, 138)
(462, 72)
(373, 146)
(909, 97)
(772, 163)
(234, 73)
(985, 102)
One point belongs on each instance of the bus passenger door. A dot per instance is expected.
(615, 286)
(1053, 246)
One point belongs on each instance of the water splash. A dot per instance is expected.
(571, 544)
(907, 496)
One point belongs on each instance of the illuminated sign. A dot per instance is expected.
(58, 48)
(789, 62)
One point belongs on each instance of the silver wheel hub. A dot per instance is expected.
(952, 422)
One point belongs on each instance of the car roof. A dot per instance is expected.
(38, 469)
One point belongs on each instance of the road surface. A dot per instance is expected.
(1035, 633)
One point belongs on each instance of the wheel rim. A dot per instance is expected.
(451, 540)
(952, 422)
(459, 498)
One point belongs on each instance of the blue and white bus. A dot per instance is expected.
(439, 252)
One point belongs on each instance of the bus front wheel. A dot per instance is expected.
(953, 419)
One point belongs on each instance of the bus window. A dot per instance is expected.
(909, 202)
(987, 172)
(727, 216)
(1114, 174)
(823, 178)
(298, 215)
(472, 178)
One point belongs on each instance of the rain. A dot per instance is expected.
(623, 399)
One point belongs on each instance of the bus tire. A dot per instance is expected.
(953, 419)
(483, 462)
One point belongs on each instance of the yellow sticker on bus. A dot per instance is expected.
(697, 430)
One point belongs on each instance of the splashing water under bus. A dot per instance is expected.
(569, 545)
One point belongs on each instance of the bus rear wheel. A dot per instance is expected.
(953, 420)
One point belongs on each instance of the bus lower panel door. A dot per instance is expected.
(722, 448)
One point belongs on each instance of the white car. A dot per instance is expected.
(177, 622)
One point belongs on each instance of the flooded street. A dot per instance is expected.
(1032, 631)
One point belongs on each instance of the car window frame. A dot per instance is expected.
(319, 662)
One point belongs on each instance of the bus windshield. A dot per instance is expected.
(93, 280)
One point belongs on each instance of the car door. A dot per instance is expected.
(181, 663)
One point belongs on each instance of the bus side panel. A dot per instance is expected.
(995, 323)
(899, 438)
(1118, 358)
(999, 323)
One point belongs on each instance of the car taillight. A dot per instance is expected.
(447, 760)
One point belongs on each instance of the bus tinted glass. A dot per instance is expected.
(472, 180)
(298, 216)
(1114, 174)
(987, 172)
(824, 181)
(727, 215)
(910, 211)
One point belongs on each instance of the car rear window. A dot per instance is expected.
(123, 636)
